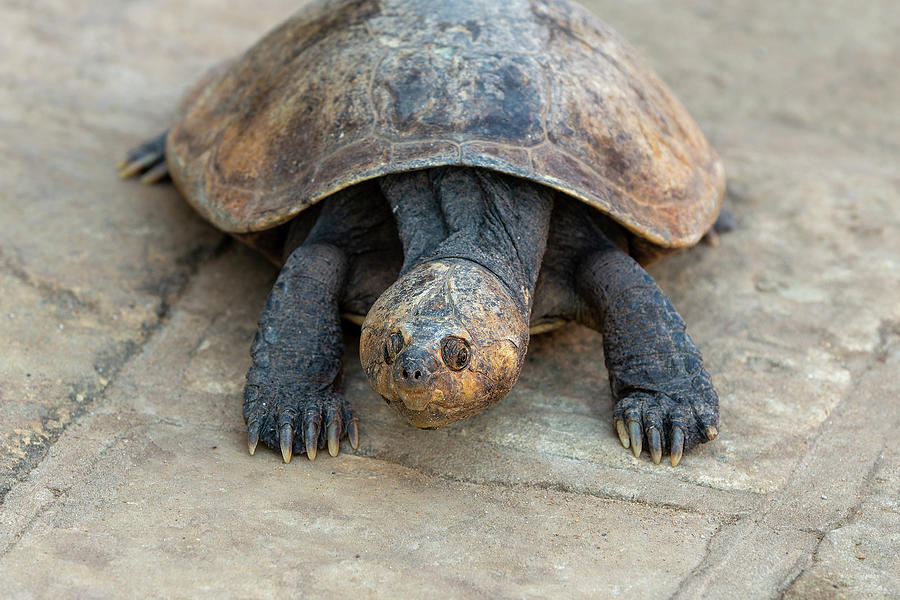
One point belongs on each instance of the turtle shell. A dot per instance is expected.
(350, 90)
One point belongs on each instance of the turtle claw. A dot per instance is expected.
(312, 440)
(677, 445)
(287, 442)
(623, 433)
(138, 165)
(634, 429)
(156, 173)
(353, 434)
(654, 442)
(252, 437)
(334, 444)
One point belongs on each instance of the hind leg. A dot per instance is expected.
(725, 222)
(147, 160)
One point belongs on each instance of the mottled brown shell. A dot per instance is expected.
(349, 90)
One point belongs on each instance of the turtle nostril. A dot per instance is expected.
(410, 372)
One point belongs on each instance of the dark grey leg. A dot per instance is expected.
(662, 392)
(293, 387)
(725, 222)
(293, 398)
(148, 160)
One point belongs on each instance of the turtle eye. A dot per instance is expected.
(392, 347)
(455, 352)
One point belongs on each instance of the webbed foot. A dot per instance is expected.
(147, 160)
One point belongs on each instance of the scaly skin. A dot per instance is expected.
(662, 392)
(293, 398)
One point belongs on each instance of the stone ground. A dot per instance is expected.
(125, 323)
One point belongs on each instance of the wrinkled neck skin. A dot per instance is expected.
(496, 221)
(449, 337)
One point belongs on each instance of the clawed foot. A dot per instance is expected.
(664, 397)
(293, 399)
(295, 421)
(668, 426)
(147, 160)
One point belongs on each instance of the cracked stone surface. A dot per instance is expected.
(126, 321)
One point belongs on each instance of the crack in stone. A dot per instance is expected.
(887, 329)
(110, 360)
(707, 551)
(542, 485)
(11, 263)
(849, 519)
(58, 493)
(889, 334)
(797, 571)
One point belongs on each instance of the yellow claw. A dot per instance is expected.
(623, 433)
(312, 439)
(353, 434)
(155, 174)
(135, 167)
(654, 441)
(252, 437)
(634, 428)
(334, 444)
(677, 445)
(287, 442)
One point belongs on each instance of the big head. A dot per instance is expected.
(444, 342)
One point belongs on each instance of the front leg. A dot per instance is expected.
(662, 392)
(293, 398)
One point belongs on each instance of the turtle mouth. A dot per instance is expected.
(431, 416)
(422, 401)
(426, 409)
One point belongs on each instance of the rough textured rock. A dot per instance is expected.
(125, 324)
(87, 268)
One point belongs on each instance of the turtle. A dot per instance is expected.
(455, 176)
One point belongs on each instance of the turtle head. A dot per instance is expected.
(444, 342)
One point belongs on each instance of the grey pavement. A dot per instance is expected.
(125, 323)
